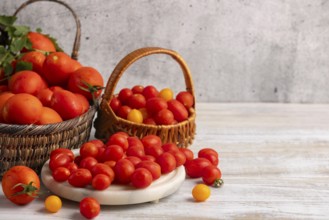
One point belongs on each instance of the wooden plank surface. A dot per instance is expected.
(274, 160)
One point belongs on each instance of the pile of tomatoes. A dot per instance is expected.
(149, 106)
(57, 88)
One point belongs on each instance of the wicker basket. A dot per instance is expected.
(108, 123)
(31, 145)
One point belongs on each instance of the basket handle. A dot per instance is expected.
(132, 57)
(76, 44)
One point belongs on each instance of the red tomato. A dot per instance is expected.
(164, 117)
(84, 102)
(27, 179)
(101, 168)
(3, 99)
(88, 149)
(59, 160)
(136, 151)
(136, 101)
(178, 109)
(151, 166)
(212, 158)
(110, 163)
(88, 163)
(149, 121)
(89, 207)
(97, 143)
(124, 95)
(141, 178)
(188, 153)
(179, 156)
(210, 174)
(167, 162)
(170, 147)
(150, 92)
(113, 152)
(154, 105)
(123, 170)
(123, 111)
(138, 89)
(147, 158)
(185, 98)
(151, 140)
(66, 104)
(72, 167)
(118, 139)
(49, 116)
(41, 42)
(101, 182)
(80, 178)
(37, 59)
(44, 96)
(57, 151)
(134, 160)
(115, 104)
(61, 174)
(154, 151)
(86, 75)
(134, 141)
(194, 167)
(206, 151)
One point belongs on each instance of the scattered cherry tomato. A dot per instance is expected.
(53, 204)
(201, 192)
(89, 207)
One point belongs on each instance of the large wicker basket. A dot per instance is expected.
(31, 145)
(108, 123)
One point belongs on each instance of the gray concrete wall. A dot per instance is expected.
(237, 50)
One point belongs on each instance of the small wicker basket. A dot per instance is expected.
(108, 123)
(30, 145)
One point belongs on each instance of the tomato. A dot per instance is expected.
(136, 151)
(124, 95)
(185, 98)
(118, 139)
(134, 160)
(210, 174)
(151, 166)
(212, 158)
(170, 147)
(138, 89)
(136, 101)
(150, 92)
(101, 168)
(149, 121)
(123, 111)
(53, 204)
(88, 149)
(41, 42)
(115, 104)
(84, 102)
(151, 140)
(88, 163)
(3, 99)
(206, 151)
(123, 170)
(20, 184)
(89, 207)
(3, 88)
(154, 151)
(179, 157)
(57, 68)
(83, 79)
(144, 113)
(110, 163)
(80, 178)
(167, 162)
(178, 109)
(22, 109)
(66, 104)
(135, 116)
(201, 192)
(72, 167)
(49, 116)
(59, 160)
(188, 153)
(164, 117)
(141, 178)
(194, 167)
(167, 94)
(36, 58)
(26, 82)
(154, 105)
(134, 141)
(57, 151)
(147, 158)
(44, 96)
(97, 143)
(101, 181)
(113, 152)
(61, 174)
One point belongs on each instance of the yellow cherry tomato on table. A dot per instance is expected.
(201, 192)
(53, 203)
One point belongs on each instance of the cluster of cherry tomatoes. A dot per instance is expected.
(149, 106)
(57, 88)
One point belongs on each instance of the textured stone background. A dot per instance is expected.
(237, 50)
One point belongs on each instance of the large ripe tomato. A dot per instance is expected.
(178, 109)
(67, 104)
(41, 42)
(49, 116)
(84, 102)
(26, 82)
(86, 78)
(22, 109)
(89, 207)
(3, 99)
(36, 58)
(141, 178)
(57, 68)
(123, 170)
(20, 184)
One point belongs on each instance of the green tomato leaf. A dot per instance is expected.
(8, 69)
(22, 65)
(21, 31)
(7, 20)
(39, 30)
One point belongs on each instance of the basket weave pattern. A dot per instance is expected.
(108, 123)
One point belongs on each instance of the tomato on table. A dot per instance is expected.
(89, 207)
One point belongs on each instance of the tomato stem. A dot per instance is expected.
(92, 89)
(218, 183)
(28, 189)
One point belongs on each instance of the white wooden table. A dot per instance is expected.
(275, 164)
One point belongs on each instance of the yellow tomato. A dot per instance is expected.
(167, 94)
(135, 116)
(201, 192)
(53, 203)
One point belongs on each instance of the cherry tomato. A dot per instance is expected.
(170, 147)
(206, 151)
(179, 157)
(89, 207)
(57, 151)
(141, 178)
(134, 141)
(123, 111)
(185, 98)
(179, 111)
(188, 153)
(151, 166)
(167, 162)
(212, 158)
(151, 140)
(101, 168)
(136, 101)
(72, 167)
(61, 174)
(115, 104)
(210, 174)
(149, 121)
(150, 92)
(53, 204)
(97, 143)
(59, 160)
(136, 151)
(101, 181)
(164, 117)
(138, 89)
(147, 158)
(156, 104)
(167, 94)
(110, 163)
(124, 95)
(135, 116)
(80, 178)
(123, 170)
(88, 149)
(134, 160)
(201, 192)
(88, 163)
(194, 167)
(113, 152)
(154, 151)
